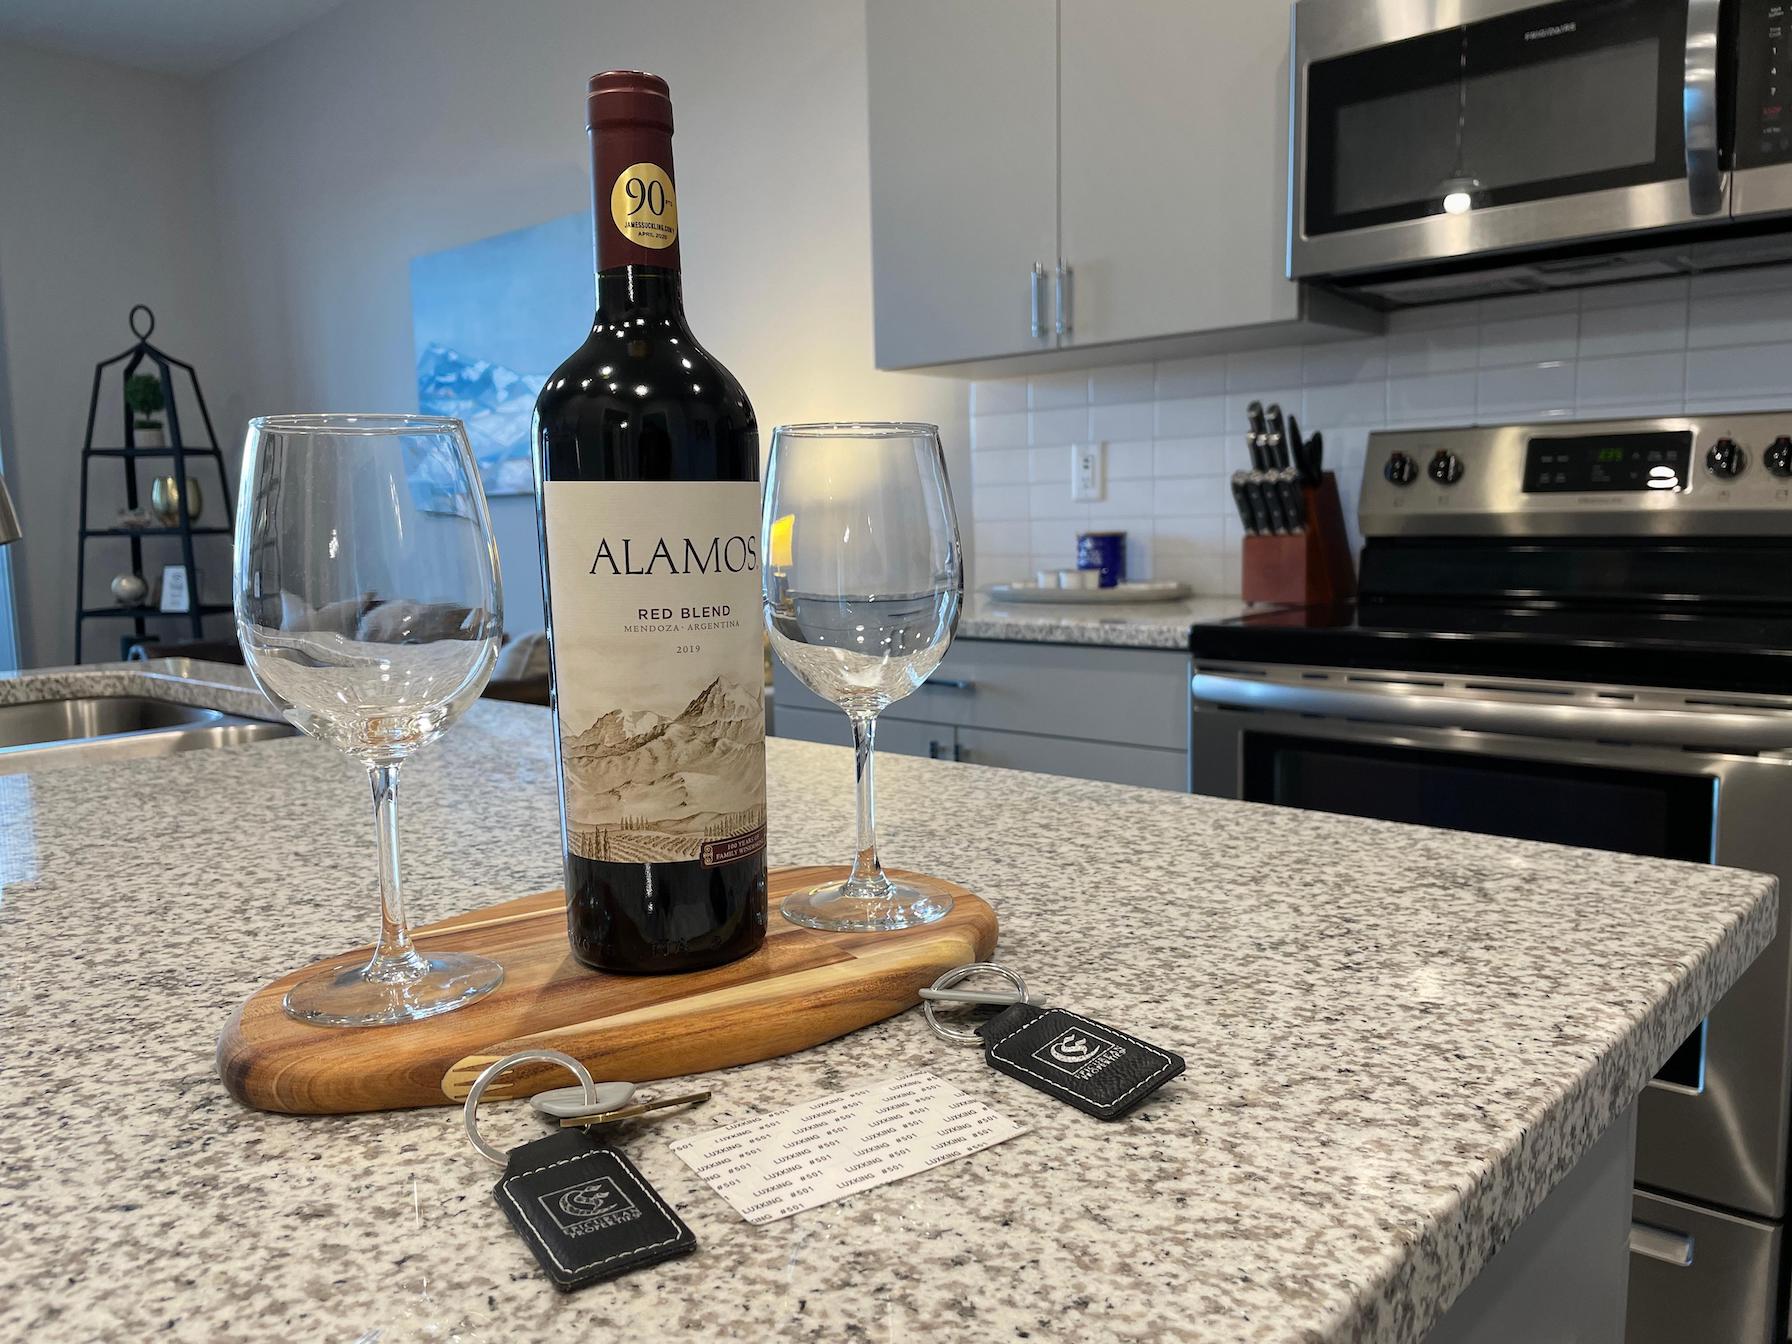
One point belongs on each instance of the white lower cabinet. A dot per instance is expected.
(1119, 715)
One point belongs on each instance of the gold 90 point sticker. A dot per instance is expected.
(644, 206)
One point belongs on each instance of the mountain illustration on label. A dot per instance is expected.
(646, 788)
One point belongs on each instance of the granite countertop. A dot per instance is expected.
(181, 681)
(1126, 625)
(1398, 1041)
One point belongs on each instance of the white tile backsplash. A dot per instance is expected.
(1175, 429)
(1125, 420)
(1066, 426)
(1123, 382)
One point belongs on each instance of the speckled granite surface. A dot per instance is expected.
(180, 680)
(1397, 1041)
(1127, 625)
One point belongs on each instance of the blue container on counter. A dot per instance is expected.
(1105, 551)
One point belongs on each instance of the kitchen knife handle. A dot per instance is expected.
(1278, 437)
(1272, 501)
(1062, 293)
(1037, 285)
(1259, 509)
(1242, 500)
(1294, 500)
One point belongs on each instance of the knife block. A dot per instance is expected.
(1308, 569)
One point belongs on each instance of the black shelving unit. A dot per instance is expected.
(181, 456)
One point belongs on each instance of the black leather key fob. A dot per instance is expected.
(585, 1211)
(1098, 1069)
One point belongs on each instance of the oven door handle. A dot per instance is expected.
(1698, 104)
(1740, 730)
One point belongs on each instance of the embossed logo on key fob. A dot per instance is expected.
(1098, 1069)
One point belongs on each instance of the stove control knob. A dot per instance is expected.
(1445, 468)
(1778, 457)
(1725, 459)
(1401, 469)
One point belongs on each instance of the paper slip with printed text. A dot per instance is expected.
(775, 1165)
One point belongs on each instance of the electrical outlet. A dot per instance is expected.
(1086, 483)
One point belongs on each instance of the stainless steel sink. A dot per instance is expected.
(47, 734)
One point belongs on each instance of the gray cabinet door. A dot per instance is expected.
(1174, 154)
(903, 737)
(964, 175)
(1145, 766)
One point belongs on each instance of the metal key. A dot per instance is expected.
(559, 1102)
(602, 1119)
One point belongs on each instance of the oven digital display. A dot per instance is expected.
(1573, 464)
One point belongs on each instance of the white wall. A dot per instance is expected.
(105, 201)
(391, 128)
(1175, 430)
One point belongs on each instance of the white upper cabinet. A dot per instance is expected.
(1136, 149)
(964, 180)
(1173, 166)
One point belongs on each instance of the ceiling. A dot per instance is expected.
(180, 37)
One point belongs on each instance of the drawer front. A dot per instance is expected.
(1698, 1274)
(1135, 696)
(935, 740)
(792, 694)
(1144, 766)
(810, 725)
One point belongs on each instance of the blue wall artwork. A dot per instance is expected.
(490, 321)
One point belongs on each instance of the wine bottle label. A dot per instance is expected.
(644, 206)
(659, 669)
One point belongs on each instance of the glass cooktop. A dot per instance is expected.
(1691, 645)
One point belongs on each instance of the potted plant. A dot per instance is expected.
(143, 394)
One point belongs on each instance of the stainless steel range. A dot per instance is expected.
(1578, 633)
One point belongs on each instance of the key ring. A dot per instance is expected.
(942, 992)
(490, 1074)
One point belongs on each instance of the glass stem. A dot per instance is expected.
(867, 871)
(395, 961)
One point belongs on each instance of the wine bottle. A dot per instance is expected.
(646, 459)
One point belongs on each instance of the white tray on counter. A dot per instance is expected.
(1160, 591)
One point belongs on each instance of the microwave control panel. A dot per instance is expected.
(1763, 119)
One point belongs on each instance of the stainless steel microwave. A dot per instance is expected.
(1449, 147)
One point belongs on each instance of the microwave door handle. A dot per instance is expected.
(1698, 104)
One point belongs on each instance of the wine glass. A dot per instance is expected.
(863, 578)
(368, 608)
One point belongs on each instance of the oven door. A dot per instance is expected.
(1436, 129)
(1713, 1124)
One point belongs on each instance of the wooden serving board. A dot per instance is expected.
(801, 988)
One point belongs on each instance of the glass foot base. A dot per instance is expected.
(840, 908)
(350, 998)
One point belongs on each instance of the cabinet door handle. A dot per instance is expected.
(1065, 279)
(1036, 283)
(952, 683)
(1658, 1243)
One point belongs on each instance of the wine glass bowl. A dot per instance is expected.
(863, 580)
(368, 607)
